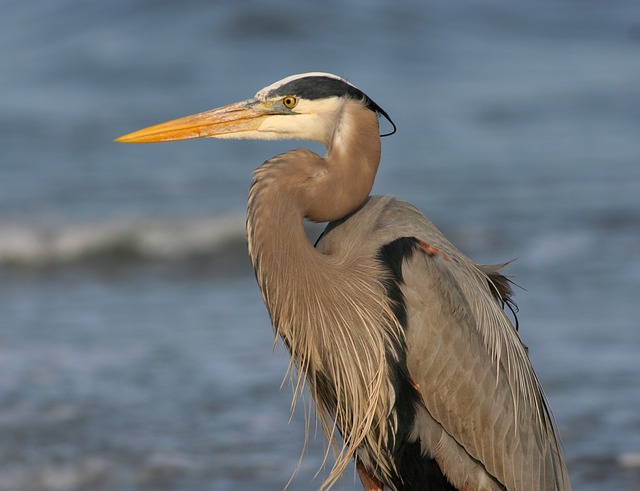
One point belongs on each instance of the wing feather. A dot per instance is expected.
(473, 371)
(483, 416)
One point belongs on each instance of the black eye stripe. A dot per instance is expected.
(318, 87)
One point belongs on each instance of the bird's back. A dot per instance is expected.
(472, 402)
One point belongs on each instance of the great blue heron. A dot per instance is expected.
(401, 339)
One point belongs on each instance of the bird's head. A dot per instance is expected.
(301, 107)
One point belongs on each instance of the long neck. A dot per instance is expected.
(335, 322)
(301, 184)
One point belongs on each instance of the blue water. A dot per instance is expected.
(135, 352)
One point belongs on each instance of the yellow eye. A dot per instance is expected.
(289, 102)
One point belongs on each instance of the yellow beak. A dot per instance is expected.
(225, 122)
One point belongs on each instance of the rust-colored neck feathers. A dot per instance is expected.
(334, 322)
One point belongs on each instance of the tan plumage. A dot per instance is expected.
(464, 354)
(401, 338)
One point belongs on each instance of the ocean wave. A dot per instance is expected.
(124, 239)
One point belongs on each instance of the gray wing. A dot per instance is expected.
(484, 418)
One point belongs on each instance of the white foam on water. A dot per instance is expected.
(158, 239)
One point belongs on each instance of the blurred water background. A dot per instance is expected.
(135, 351)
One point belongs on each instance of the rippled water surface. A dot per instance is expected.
(135, 351)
